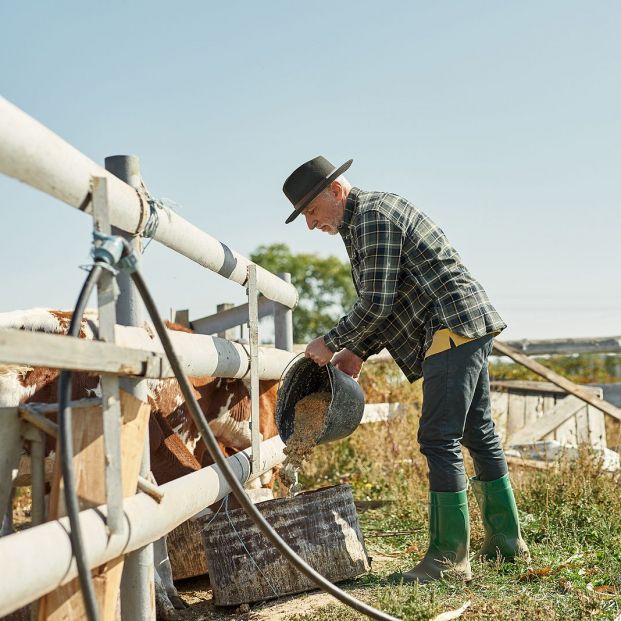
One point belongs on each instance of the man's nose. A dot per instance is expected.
(311, 223)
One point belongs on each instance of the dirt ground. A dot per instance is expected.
(196, 592)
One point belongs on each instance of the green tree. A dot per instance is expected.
(323, 283)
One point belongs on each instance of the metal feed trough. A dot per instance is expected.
(321, 526)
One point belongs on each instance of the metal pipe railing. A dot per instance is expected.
(35, 155)
(137, 581)
(230, 318)
(135, 349)
(38, 560)
(209, 355)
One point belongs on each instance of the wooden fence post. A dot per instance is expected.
(66, 602)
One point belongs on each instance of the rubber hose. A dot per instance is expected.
(236, 487)
(65, 436)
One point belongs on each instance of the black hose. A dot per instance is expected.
(65, 436)
(236, 487)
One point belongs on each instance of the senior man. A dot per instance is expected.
(417, 299)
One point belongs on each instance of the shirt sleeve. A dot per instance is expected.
(378, 245)
(373, 344)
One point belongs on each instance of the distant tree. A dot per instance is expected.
(324, 284)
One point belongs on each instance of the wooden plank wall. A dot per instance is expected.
(516, 405)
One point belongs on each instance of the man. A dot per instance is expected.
(417, 299)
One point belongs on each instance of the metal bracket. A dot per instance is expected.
(151, 489)
(157, 366)
(111, 402)
(253, 331)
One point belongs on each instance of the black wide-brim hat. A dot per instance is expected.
(308, 180)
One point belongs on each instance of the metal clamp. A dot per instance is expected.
(128, 263)
(109, 250)
(112, 252)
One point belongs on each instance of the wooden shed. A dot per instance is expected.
(526, 411)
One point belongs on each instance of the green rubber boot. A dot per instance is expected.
(449, 539)
(500, 519)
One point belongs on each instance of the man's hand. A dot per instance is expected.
(348, 362)
(318, 352)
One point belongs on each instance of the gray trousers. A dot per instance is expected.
(457, 410)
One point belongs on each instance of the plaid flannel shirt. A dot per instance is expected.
(410, 282)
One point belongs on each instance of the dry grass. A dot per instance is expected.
(570, 514)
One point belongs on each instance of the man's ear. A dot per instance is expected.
(335, 188)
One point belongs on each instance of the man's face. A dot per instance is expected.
(325, 212)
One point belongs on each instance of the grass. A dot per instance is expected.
(570, 516)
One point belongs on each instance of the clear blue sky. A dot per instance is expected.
(501, 120)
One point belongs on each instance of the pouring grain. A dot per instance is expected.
(310, 414)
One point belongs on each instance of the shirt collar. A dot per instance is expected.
(348, 213)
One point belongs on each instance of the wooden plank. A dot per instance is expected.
(499, 400)
(66, 602)
(538, 387)
(548, 423)
(515, 413)
(24, 471)
(526, 386)
(559, 380)
(596, 428)
(533, 409)
(591, 345)
(567, 432)
(134, 427)
(10, 448)
(583, 427)
(549, 403)
(529, 463)
(36, 349)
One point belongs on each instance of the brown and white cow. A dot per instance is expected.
(226, 405)
(175, 443)
(224, 402)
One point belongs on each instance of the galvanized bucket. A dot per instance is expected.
(321, 526)
(305, 377)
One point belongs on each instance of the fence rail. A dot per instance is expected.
(35, 155)
(38, 560)
(137, 354)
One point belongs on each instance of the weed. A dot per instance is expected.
(570, 516)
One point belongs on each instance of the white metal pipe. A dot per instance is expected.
(137, 586)
(228, 333)
(253, 338)
(283, 322)
(202, 355)
(231, 317)
(208, 355)
(38, 560)
(35, 155)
